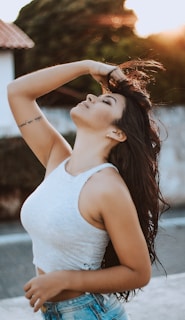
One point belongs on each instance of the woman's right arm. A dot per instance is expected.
(46, 143)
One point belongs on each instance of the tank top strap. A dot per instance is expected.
(81, 179)
(85, 176)
(100, 167)
(91, 171)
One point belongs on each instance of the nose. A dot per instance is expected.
(91, 97)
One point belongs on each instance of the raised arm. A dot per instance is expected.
(42, 138)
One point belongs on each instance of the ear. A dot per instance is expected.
(117, 135)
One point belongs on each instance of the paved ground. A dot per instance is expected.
(163, 294)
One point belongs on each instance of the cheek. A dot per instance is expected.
(102, 115)
(103, 118)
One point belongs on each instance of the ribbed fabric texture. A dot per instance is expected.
(62, 239)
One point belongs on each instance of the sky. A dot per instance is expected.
(157, 15)
(153, 16)
(9, 9)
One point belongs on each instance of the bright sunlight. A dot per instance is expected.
(158, 15)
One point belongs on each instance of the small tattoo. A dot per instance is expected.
(29, 121)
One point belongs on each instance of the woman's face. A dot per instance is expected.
(98, 112)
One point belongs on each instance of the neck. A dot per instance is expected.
(89, 150)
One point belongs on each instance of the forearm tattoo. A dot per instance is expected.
(29, 121)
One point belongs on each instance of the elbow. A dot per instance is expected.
(11, 90)
(141, 277)
(13, 87)
(19, 90)
(16, 87)
(145, 280)
(16, 94)
(136, 278)
(144, 276)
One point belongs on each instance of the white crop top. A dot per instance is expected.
(62, 239)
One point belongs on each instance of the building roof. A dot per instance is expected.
(12, 37)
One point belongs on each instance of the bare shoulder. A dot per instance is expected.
(111, 184)
(113, 196)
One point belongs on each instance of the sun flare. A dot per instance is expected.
(157, 16)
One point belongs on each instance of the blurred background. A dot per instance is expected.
(39, 33)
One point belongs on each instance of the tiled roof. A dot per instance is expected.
(12, 37)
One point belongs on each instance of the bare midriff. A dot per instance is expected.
(64, 295)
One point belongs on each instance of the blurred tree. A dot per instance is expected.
(171, 52)
(65, 30)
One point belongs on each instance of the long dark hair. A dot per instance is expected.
(137, 157)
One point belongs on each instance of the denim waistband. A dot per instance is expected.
(83, 299)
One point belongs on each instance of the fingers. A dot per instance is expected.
(115, 77)
(35, 300)
(29, 294)
(28, 290)
(32, 296)
(112, 80)
(41, 288)
(36, 303)
(27, 286)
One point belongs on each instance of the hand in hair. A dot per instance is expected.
(101, 72)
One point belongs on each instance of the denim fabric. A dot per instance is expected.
(85, 307)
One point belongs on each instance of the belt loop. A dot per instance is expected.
(100, 300)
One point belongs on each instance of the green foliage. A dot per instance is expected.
(65, 30)
(19, 166)
(171, 83)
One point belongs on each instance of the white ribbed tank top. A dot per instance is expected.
(62, 239)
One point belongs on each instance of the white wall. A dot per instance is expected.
(172, 159)
(7, 123)
(60, 119)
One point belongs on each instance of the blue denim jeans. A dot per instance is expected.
(85, 307)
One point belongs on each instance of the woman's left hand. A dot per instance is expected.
(40, 289)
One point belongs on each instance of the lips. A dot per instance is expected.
(84, 103)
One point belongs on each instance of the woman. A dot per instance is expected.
(94, 218)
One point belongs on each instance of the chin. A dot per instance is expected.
(77, 115)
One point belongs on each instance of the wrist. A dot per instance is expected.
(63, 277)
(70, 280)
(88, 66)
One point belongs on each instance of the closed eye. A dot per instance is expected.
(107, 101)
